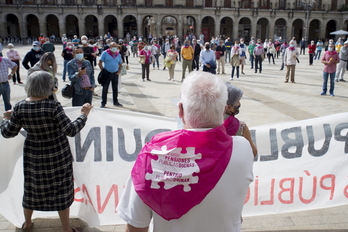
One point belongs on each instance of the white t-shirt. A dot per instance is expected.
(220, 210)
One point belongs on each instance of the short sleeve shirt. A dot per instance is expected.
(110, 63)
(5, 64)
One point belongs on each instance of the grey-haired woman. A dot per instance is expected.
(48, 171)
(232, 124)
(47, 63)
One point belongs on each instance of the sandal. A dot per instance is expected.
(29, 228)
(76, 229)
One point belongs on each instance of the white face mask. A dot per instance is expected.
(11, 49)
(79, 56)
(70, 47)
(84, 41)
(330, 49)
(113, 49)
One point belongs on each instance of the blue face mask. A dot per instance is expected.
(292, 45)
(36, 48)
(79, 56)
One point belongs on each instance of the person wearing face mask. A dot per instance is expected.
(47, 63)
(107, 45)
(231, 123)
(283, 48)
(48, 46)
(87, 50)
(75, 41)
(341, 67)
(149, 58)
(33, 56)
(208, 59)
(135, 47)
(113, 65)
(250, 48)
(259, 56)
(242, 56)
(164, 49)
(330, 60)
(156, 52)
(235, 61)
(220, 57)
(81, 75)
(311, 50)
(13, 55)
(187, 57)
(290, 56)
(67, 54)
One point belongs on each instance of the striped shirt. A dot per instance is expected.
(5, 64)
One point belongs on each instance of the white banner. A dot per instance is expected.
(301, 165)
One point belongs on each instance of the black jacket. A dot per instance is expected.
(32, 57)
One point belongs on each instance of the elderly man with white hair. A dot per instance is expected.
(180, 177)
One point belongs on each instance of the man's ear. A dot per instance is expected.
(181, 110)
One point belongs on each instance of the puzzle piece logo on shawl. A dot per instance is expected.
(177, 169)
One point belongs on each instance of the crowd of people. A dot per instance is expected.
(208, 109)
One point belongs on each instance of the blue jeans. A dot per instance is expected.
(64, 68)
(228, 54)
(317, 54)
(5, 91)
(156, 58)
(332, 81)
(85, 97)
(251, 59)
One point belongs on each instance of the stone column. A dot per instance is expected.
(62, 29)
(101, 25)
(217, 26)
(198, 25)
(82, 28)
(179, 26)
(254, 28)
(42, 25)
(271, 30)
(120, 32)
(139, 26)
(289, 32)
(235, 35)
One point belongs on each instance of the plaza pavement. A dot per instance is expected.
(267, 99)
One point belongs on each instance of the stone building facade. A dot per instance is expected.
(236, 19)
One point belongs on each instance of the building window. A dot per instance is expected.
(10, 2)
(169, 3)
(298, 5)
(227, 4)
(208, 3)
(128, 2)
(70, 2)
(189, 3)
(334, 5)
(282, 4)
(49, 2)
(88, 2)
(110, 3)
(148, 2)
(28, 2)
(264, 4)
(246, 4)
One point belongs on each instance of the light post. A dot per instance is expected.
(308, 4)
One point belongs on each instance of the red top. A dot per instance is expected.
(311, 48)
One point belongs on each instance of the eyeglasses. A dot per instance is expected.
(237, 107)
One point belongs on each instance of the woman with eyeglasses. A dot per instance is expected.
(232, 124)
